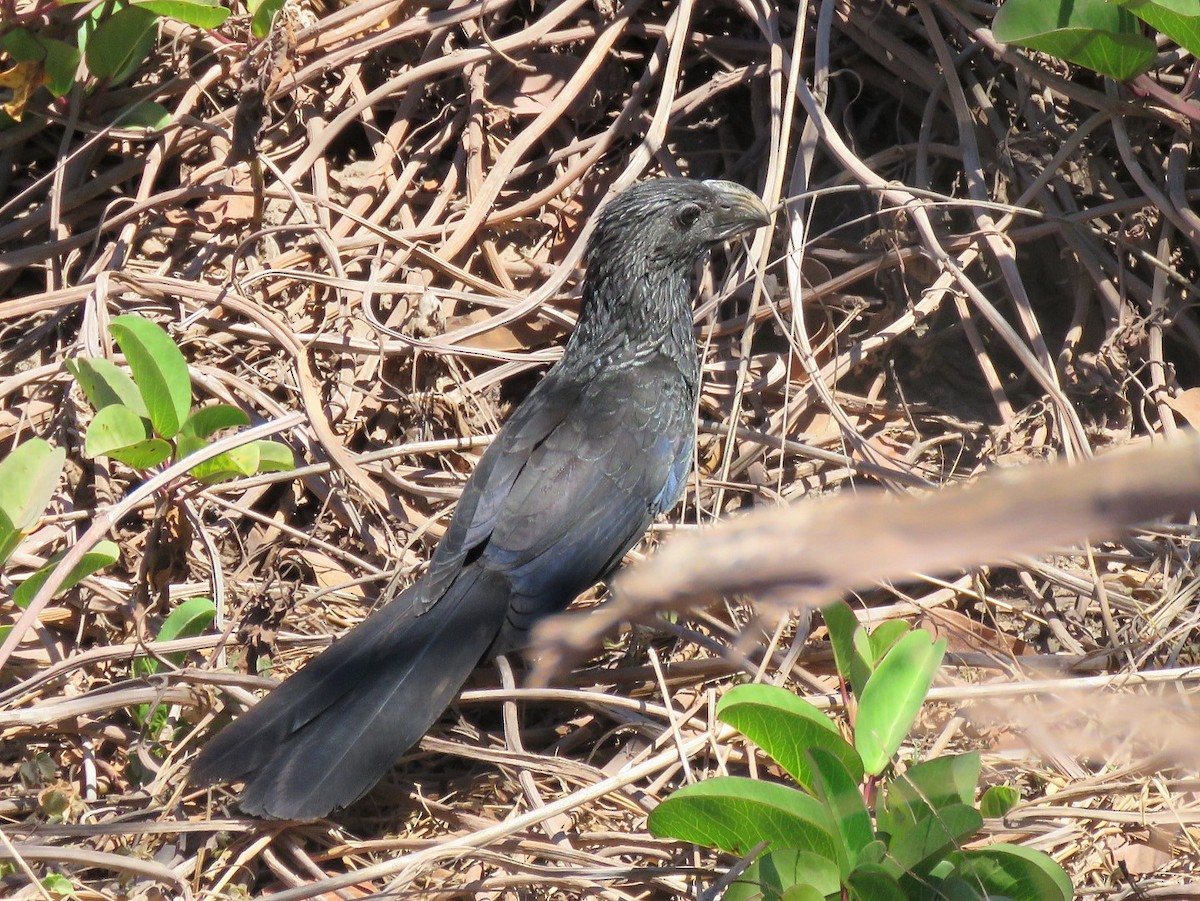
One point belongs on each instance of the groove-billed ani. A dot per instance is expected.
(600, 447)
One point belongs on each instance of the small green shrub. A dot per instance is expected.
(42, 46)
(852, 827)
(144, 417)
(1107, 36)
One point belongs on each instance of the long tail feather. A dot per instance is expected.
(326, 735)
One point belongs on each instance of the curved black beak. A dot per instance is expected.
(739, 210)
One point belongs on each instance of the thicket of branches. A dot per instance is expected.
(979, 257)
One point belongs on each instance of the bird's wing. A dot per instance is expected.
(589, 489)
(544, 410)
(570, 483)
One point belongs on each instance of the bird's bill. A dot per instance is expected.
(739, 209)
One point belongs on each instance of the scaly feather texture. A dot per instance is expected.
(599, 448)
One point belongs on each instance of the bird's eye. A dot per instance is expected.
(687, 215)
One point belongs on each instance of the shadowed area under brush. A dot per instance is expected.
(600, 447)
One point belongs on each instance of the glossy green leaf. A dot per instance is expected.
(28, 478)
(884, 637)
(933, 836)
(188, 444)
(802, 893)
(103, 555)
(274, 457)
(840, 793)
(189, 620)
(953, 888)
(206, 422)
(143, 454)
(1093, 33)
(58, 884)
(893, 696)
(159, 370)
(926, 787)
(874, 852)
(62, 66)
(207, 14)
(844, 636)
(951, 779)
(59, 60)
(774, 874)
(735, 814)
(998, 800)
(871, 882)
(235, 463)
(1015, 872)
(145, 114)
(114, 427)
(263, 12)
(104, 383)
(785, 726)
(10, 537)
(120, 43)
(1177, 19)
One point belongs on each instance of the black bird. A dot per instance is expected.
(600, 447)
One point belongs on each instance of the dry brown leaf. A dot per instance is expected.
(1187, 405)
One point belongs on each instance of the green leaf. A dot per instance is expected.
(10, 537)
(801, 893)
(893, 697)
(263, 12)
(120, 43)
(188, 444)
(1015, 872)
(998, 800)
(188, 620)
(884, 637)
(146, 115)
(874, 852)
(1093, 33)
(872, 882)
(104, 383)
(104, 554)
(62, 65)
(235, 463)
(274, 457)
(954, 889)
(930, 837)
(774, 874)
(144, 454)
(843, 629)
(1177, 19)
(951, 779)
(159, 370)
(28, 478)
(59, 884)
(926, 787)
(113, 427)
(840, 793)
(206, 14)
(785, 726)
(59, 59)
(204, 423)
(735, 814)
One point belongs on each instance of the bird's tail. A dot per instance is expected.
(325, 736)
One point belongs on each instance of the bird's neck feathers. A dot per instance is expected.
(633, 309)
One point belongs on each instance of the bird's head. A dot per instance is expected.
(671, 222)
(640, 259)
